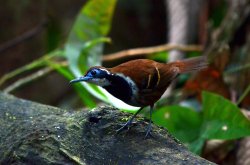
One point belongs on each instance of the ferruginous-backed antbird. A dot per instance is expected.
(140, 82)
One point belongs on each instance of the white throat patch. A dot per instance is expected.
(100, 82)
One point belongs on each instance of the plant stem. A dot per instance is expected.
(35, 64)
(27, 79)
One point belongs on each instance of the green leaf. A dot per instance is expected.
(91, 26)
(84, 46)
(221, 120)
(184, 123)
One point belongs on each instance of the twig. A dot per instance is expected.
(25, 36)
(42, 61)
(35, 64)
(150, 50)
(27, 79)
(243, 95)
(32, 77)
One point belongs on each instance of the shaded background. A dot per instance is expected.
(44, 25)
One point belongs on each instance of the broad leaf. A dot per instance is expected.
(184, 123)
(85, 43)
(219, 119)
(222, 119)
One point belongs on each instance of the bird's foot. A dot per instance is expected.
(148, 132)
(125, 126)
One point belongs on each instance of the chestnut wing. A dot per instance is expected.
(152, 78)
(139, 71)
(147, 74)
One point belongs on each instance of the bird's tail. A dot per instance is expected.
(191, 64)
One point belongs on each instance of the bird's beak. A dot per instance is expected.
(79, 79)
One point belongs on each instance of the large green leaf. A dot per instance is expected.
(219, 119)
(85, 42)
(223, 119)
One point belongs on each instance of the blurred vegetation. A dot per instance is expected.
(208, 115)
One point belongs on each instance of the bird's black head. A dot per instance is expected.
(95, 75)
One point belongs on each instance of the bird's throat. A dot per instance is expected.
(121, 87)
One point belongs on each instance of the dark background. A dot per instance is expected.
(42, 25)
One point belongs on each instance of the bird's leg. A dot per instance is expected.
(129, 122)
(150, 122)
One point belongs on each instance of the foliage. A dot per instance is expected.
(219, 119)
(85, 42)
(84, 47)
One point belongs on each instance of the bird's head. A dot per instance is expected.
(95, 75)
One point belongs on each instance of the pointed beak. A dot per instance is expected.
(79, 79)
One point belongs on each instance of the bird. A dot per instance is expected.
(140, 82)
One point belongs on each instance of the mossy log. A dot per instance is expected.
(31, 133)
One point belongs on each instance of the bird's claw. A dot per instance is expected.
(125, 126)
(148, 133)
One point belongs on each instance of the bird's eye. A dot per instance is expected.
(93, 72)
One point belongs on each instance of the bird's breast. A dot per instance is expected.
(123, 88)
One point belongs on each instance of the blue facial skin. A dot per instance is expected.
(96, 73)
(93, 73)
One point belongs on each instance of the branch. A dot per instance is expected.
(32, 77)
(25, 80)
(149, 50)
(33, 65)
